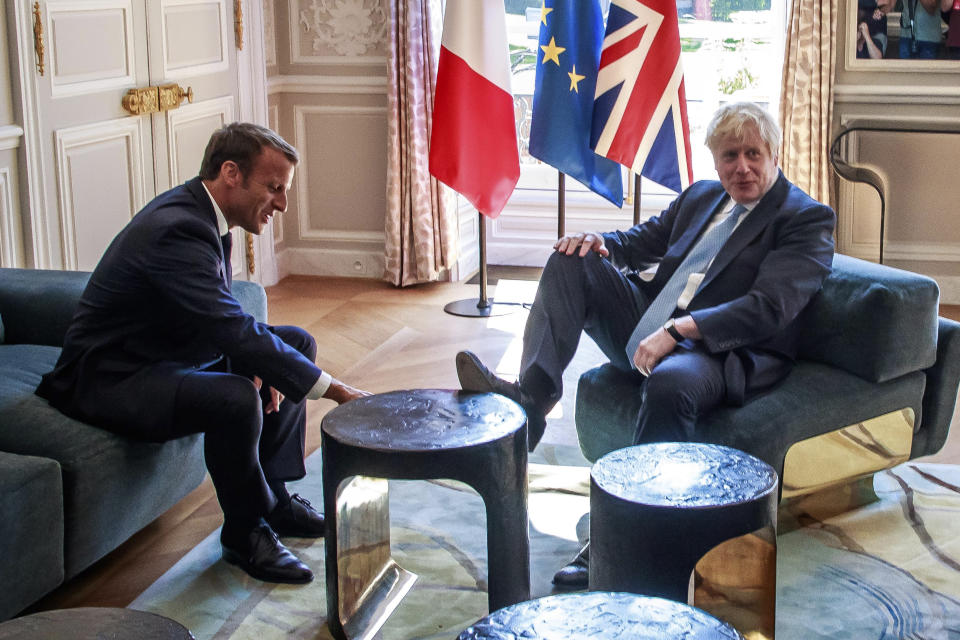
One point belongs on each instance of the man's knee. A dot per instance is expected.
(240, 402)
(681, 391)
(562, 263)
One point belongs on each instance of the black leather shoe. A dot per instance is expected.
(475, 376)
(265, 558)
(297, 519)
(575, 575)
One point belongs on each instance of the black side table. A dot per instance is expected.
(93, 623)
(597, 615)
(479, 439)
(690, 522)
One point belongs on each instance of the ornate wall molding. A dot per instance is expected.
(9, 223)
(10, 135)
(270, 32)
(340, 31)
(375, 85)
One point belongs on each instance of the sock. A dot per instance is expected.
(279, 488)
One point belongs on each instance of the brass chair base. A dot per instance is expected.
(832, 473)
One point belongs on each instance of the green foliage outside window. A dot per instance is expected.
(742, 79)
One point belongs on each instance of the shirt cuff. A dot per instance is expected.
(321, 386)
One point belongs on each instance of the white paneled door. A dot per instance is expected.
(100, 163)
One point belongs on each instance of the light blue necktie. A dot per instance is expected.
(696, 261)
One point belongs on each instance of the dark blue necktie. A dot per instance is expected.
(227, 242)
(696, 261)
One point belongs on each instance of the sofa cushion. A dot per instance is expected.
(31, 554)
(813, 399)
(872, 320)
(112, 486)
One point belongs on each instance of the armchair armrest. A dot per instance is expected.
(252, 298)
(37, 305)
(940, 396)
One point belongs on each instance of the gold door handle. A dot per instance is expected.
(155, 99)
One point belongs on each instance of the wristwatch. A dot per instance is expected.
(670, 327)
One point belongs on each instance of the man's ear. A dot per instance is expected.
(230, 172)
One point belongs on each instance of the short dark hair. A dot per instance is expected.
(241, 142)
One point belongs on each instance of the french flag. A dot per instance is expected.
(473, 144)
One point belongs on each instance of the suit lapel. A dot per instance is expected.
(761, 216)
(195, 186)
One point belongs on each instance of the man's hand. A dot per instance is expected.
(658, 344)
(652, 350)
(588, 241)
(340, 392)
(275, 396)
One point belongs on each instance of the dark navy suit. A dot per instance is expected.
(156, 344)
(746, 308)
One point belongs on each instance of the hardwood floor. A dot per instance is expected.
(373, 336)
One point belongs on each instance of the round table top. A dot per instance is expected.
(683, 475)
(596, 615)
(424, 420)
(93, 623)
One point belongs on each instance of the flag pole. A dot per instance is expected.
(561, 204)
(481, 307)
(636, 199)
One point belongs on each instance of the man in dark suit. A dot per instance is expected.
(737, 260)
(159, 348)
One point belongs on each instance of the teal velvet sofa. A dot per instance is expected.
(876, 379)
(69, 492)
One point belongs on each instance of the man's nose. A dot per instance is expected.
(280, 202)
(742, 165)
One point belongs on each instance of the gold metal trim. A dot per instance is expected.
(371, 584)
(832, 473)
(38, 36)
(238, 22)
(251, 265)
(736, 582)
(155, 99)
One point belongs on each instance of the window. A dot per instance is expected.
(731, 50)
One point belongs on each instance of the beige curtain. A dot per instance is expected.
(420, 224)
(806, 104)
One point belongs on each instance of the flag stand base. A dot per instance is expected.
(476, 308)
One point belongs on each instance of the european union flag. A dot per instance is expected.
(571, 35)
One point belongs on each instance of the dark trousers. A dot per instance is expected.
(245, 450)
(590, 295)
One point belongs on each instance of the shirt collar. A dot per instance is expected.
(222, 227)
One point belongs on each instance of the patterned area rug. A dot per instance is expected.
(888, 570)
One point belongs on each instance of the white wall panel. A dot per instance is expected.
(100, 176)
(340, 190)
(90, 46)
(195, 37)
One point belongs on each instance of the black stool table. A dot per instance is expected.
(690, 522)
(476, 438)
(600, 615)
(93, 623)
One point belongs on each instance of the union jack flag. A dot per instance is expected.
(640, 105)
